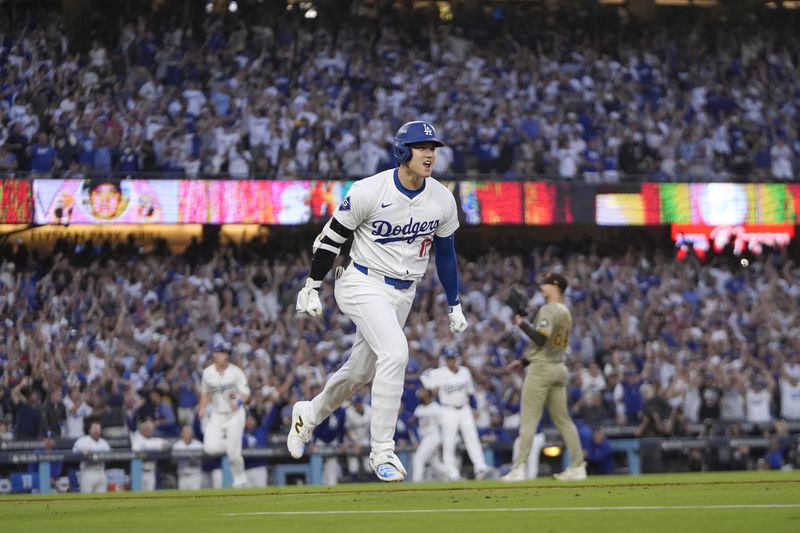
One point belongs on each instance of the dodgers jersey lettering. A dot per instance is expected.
(453, 387)
(220, 386)
(393, 233)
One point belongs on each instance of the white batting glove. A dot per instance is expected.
(458, 322)
(308, 299)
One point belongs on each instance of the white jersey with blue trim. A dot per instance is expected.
(454, 387)
(394, 227)
(224, 387)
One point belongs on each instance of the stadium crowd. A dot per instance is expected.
(117, 335)
(516, 92)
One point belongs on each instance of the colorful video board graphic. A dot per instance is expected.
(105, 201)
(15, 202)
(709, 204)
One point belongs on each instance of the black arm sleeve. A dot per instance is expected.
(333, 235)
(535, 336)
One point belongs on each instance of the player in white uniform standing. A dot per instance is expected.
(454, 384)
(143, 441)
(224, 385)
(93, 473)
(394, 217)
(429, 428)
(190, 469)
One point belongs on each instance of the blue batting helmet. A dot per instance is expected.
(221, 347)
(450, 351)
(410, 133)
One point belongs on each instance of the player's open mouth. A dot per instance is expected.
(427, 164)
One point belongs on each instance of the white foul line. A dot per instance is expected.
(523, 509)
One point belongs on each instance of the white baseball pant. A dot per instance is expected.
(428, 451)
(532, 464)
(331, 468)
(455, 421)
(190, 480)
(148, 477)
(380, 353)
(93, 480)
(213, 479)
(223, 434)
(257, 477)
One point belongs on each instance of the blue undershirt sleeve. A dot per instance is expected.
(446, 267)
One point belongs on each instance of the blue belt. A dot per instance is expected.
(400, 284)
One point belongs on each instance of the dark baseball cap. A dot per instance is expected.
(551, 278)
(450, 351)
(223, 347)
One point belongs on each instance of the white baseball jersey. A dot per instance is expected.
(453, 387)
(220, 386)
(357, 423)
(790, 400)
(74, 422)
(189, 465)
(140, 443)
(394, 233)
(429, 419)
(757, 406)
(87, 443)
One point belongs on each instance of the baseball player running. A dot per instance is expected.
(224, 385)
(454, 384)
(394, 218)
(545, 382)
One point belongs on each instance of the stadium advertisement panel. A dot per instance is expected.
(709, 204)
(105, 201)
(491, 202)
(744, 237)
(15, 202)
(244, 202)
(259, 201)
(292, 202)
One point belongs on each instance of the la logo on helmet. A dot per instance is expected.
(427, 129)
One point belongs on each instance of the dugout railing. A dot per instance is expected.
(17, 454)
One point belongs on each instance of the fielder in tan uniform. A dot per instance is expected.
(546, 380)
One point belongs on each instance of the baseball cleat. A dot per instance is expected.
(300, 430)
(485, 473)
(573, 473)
(516, 474)
(388, 467)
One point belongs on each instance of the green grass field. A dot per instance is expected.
(760, 502)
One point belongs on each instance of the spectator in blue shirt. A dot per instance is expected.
(496, 434)
(42, 155)
(86, 140)
(184, 390)
(102, 157)
(775, 454)
(255, 436)
(599, 457)
(128, 161)
(165, 422)
(591, 162)
(632, 397)
(486, 150)
(48, 445)
(29, 410)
